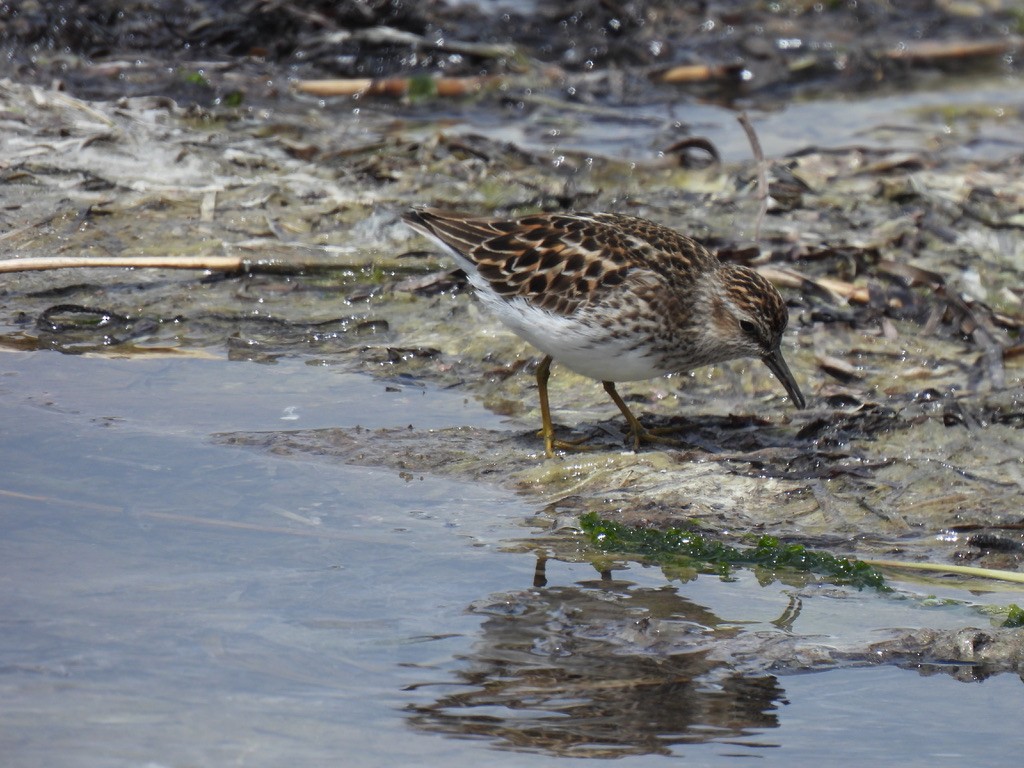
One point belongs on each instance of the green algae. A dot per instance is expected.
(1014, 617)
(677, 547)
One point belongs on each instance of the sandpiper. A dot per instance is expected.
(614, 298)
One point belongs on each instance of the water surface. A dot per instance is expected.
(169, 600)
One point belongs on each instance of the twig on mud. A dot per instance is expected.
(790, 278)
(44, 98)
(762, 172)
(309, 259)
(960, 570)
(696, 73)
(42, 263)
(398, 86)
(938, 50)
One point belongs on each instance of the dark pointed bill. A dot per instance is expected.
(778, 366)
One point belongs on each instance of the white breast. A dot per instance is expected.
(582, 347)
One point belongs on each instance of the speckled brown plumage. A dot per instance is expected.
(559, 261)
(614, 297)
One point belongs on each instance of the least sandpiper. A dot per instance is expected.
(614, 298)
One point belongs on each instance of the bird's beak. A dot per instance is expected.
(777, 364)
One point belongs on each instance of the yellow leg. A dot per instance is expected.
(638, 431)
(547, 429)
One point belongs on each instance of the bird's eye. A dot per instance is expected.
(748, 327)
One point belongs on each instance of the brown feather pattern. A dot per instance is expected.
(559, 262)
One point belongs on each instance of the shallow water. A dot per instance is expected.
(174, 601)
(952, 112)
(168, 600)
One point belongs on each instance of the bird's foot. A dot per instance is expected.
(642, 435)
(552, 444)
